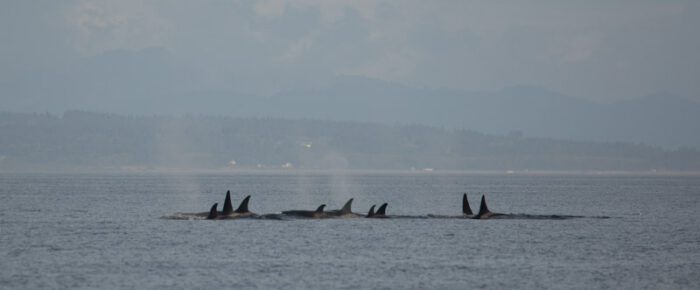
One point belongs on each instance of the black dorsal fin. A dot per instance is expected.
(347, 208)
(382, 209)
(320, 208)
(466, 209)
(483, 209)
(370, 213)
(212, 212)
(228, 208)
(243, 208)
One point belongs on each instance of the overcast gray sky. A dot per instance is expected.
(597, 50)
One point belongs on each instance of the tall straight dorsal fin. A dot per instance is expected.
(243, 208)
(466, 209)
(382, 209)
(347, 207)
(483, 209)
(320, 208)
(370, 213)
(228, 207)
(212, 212)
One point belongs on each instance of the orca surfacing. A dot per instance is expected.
(466, 209)
(318, 213)
(345, 212)
(228, 212)
(484, 212)
(381, 212)
(242, 209)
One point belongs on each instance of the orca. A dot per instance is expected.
(241, 211)
(370, 213)
(466, 209)
(213, 214)
(484, 212)
(227, 210)
(381, 212)
(318, 213)
(227, 213)
(228, 207)
(345, 212)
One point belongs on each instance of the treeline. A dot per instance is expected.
(80, 140)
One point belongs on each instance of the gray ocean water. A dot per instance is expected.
(106, 231)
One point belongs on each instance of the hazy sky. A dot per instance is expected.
(598, 50)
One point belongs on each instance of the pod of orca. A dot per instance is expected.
(346, 212)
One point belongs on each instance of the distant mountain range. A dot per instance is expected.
(659, 120)
(147, 82)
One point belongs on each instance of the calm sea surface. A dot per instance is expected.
(106, 231)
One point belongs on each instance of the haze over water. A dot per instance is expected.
(105, 231)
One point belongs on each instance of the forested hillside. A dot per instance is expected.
(83, 140)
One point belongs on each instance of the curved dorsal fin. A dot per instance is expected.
(382, 209)
(212, 212)
(243, 208)
(466, 209)
(370, 213)
(347, 207)
(320, 208)
(483, 209)
(228, 208)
